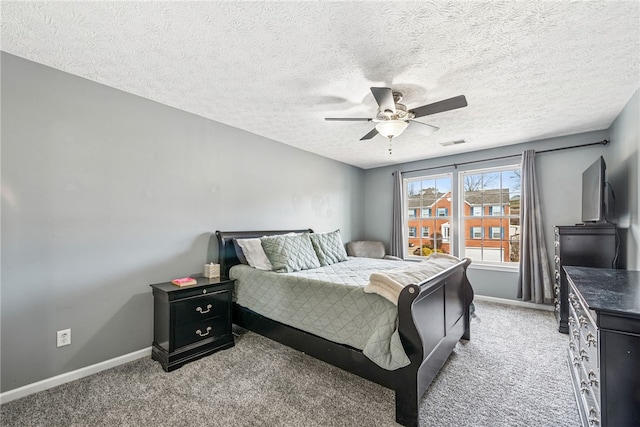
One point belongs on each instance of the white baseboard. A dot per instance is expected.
(48, 383)
(505, 301)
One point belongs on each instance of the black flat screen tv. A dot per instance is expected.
(593, 192)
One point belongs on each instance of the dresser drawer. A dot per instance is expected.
(202, 307)
(190, 333)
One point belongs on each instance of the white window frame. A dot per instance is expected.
(422, 232)
(476, 210)
(430, 210)
(501, 265)
(446, 231)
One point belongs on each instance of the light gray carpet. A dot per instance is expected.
(512, 373)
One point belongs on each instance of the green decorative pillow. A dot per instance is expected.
(290, 253)
(328, 247)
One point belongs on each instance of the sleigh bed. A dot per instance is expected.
(432, 316)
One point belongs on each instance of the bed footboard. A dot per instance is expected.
(432, 317)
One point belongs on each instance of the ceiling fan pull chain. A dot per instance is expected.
(390, 144)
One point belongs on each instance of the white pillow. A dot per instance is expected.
(253, 252)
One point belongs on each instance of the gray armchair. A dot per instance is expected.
(369, 249)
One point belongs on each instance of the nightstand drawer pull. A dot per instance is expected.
(199, 309)
(199, 332)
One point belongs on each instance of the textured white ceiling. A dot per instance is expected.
(529, 70)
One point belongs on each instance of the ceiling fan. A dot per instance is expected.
(393, 118)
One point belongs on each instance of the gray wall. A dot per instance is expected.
(104, 193)
(559, 177)
(623, 164)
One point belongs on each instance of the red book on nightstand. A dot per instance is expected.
(184, 281)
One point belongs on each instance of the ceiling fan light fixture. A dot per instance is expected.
(391, 128)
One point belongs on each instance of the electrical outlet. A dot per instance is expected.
(64, 337)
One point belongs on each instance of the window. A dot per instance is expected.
(496, 232)
(445, 232)
(478, 217)
(491, 200)
(412, 213)
(495, 210)
(432, 195)
(476, 232)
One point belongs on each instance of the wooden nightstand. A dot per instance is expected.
(191, 322)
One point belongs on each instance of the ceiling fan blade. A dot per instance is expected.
(370, 135)
(384, 98)
(440, 106)
(425, 124)
(347, 119)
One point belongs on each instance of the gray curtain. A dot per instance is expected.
(397, 228)
(534, 278)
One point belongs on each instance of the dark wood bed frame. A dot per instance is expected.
(432, 317)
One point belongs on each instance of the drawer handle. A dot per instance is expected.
(583, 387)
(199, 309)
(199, 332)
(583, 321)
(584, 355)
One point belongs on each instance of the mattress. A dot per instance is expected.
(329, 302)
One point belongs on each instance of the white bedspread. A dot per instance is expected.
(390, 283)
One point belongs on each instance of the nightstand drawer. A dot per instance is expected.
(190, 333)
(203, 307)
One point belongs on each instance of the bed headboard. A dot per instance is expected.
(227, 257)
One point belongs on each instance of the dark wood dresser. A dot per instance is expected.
(604, 345)
(581, 245)
(191, 322)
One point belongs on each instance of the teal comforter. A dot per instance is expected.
(329, 302)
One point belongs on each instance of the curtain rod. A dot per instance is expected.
(455, 165)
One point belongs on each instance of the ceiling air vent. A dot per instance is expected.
(446, 144)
